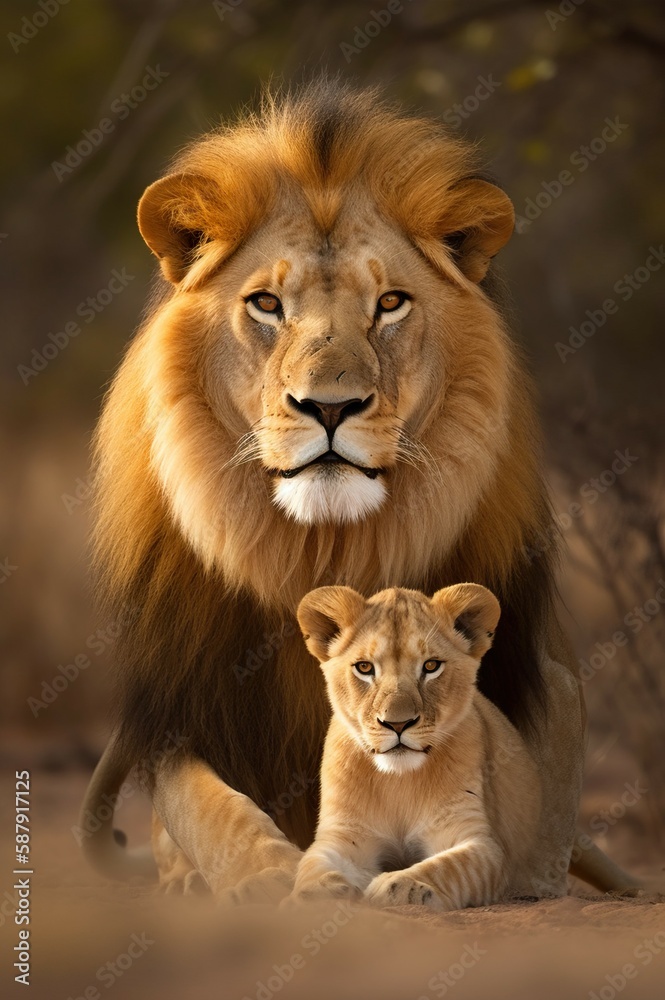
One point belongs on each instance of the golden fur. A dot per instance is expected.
(325, 200)
(180, 422)
(444, 811)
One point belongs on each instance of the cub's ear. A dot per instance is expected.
(174, 219)
(473, 612)
(324, 613)
(478, 220)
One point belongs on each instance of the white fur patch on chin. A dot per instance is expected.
(399, 763)
(316, 496)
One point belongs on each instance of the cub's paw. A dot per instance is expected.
(401, 889)
(332, 885)
(268, 886)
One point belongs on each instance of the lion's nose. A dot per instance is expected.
(398, 727)
(330, 415)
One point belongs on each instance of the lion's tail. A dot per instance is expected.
(102, 845)
(594, 867)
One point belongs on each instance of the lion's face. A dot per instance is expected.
(400, 668)
(331, 350)
(327, 385)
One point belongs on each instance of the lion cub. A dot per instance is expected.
(428, 793)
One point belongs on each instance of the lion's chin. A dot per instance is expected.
(335, 493)
(400, 761)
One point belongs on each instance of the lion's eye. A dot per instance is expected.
(364, 668)
(391, 301)
(391, 308)
(432, 666)
(264, 302)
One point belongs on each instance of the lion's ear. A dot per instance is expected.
(478, 220)
(324, 613)
(474, 613)
(173, 218)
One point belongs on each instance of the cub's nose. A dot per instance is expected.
(398, 727)
(330, 415)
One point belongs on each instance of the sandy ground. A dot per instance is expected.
(89, 937)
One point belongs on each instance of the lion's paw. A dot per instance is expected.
(191, 883)
(400, 889)
(331, 885)
(268, 886)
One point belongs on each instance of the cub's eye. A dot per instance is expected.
(390, 301)
(432, 666)
(364, 668)
(263, 304)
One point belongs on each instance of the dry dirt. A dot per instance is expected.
(82, 929)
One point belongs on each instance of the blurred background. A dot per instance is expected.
(566, 100)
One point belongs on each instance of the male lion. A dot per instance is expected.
(324, 392)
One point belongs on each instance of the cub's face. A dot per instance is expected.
(400, 668)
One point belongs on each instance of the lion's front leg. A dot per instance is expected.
(233, 844)
(177, 874)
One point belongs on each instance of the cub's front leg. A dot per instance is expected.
(337, 866)
(402, 888)
(471, 874)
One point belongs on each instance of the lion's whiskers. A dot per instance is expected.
(418, 456)
(247, 450)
